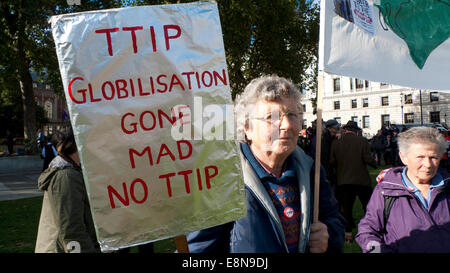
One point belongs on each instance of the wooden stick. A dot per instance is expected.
(181, 244)
(318, 147)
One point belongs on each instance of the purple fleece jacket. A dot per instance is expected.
(410, 228)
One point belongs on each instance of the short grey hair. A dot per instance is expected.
(425, 135)
(268, 88)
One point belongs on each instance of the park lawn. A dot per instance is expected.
(19, 220)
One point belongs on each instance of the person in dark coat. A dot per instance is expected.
(350, 155)
(48, 152)
(332, 128)
(10, 142)
(378, 146)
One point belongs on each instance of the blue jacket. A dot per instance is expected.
(261, 230)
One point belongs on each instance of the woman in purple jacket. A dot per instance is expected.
(409, 210)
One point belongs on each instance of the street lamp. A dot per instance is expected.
(421, 116)
(401, 100)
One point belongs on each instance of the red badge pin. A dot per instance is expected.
(288, 212)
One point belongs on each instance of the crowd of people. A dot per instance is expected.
(407, 211)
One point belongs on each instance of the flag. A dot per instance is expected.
(399, 42)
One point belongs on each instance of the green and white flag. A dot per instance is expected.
(402, 42)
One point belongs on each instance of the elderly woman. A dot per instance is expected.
(278, 179)
(409, 210)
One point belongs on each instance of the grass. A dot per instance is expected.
(19, 220)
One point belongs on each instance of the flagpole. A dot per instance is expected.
(181, 244)
(318, 146)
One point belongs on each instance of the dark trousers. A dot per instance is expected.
(378, 153)
(10, 149)
(346, 195)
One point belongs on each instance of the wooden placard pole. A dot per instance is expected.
(181, 244)
(318, 146)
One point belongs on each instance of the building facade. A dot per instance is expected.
(372, 104)
(54, 105)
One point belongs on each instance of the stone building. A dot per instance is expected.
(54, 105)
(372, 104)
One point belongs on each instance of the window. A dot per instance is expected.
(408, 99)
(365, 102)
(359, 84)
(366, 84)
(354, 103)
(409, 117)
(351, 84)
(382, 84)
(435, 117)
(366, 121)
(338, 119)
(354, 118)
(48, 107)
(337, 105)
(384, 101)
(337, 84)
(385, 120)
(434, 96)
(304, 107)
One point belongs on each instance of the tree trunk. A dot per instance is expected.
(28, 102)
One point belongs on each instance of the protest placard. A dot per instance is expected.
(398, 42)
(134, 79)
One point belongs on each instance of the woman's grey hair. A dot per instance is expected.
(425, 135)
(268, 88)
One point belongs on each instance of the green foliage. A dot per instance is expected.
(268, 37)
(11, 110)
(27, 44)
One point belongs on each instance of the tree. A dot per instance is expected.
(11, 111)
(269, 37)
(266, 37)
(27, 44)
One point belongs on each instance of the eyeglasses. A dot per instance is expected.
(274, 118)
